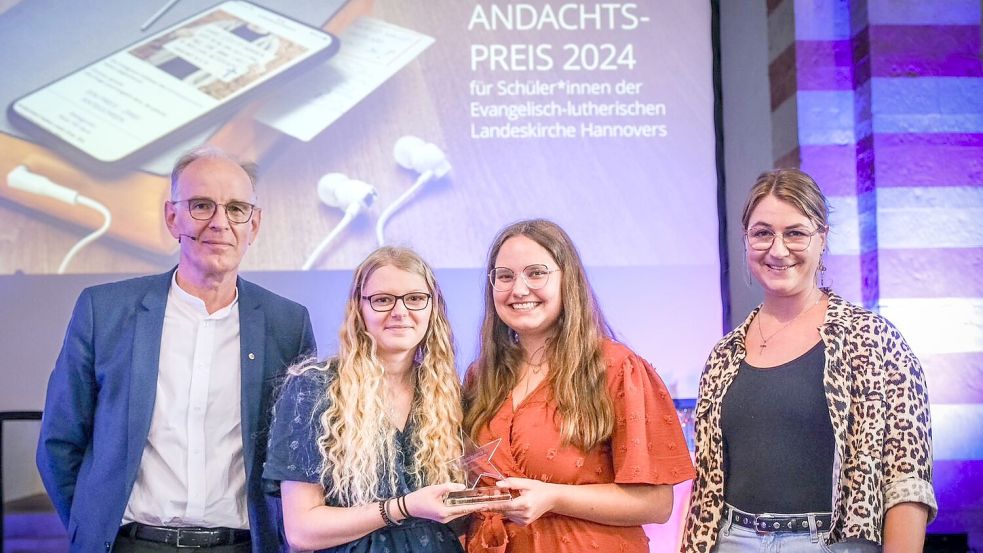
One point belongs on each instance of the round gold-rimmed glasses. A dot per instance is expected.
(535, 276)
(795, 240)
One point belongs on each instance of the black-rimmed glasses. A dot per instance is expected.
(535, 277)
(795, 240)
(203, 209)
(413, 301)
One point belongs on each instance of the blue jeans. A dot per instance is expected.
(737, 539)
(742, 540)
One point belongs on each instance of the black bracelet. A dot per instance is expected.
(385, 513)
(390, 521)
(401, 503)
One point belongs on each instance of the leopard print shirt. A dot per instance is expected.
(878, 405)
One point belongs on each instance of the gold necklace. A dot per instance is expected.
(764, 341)
(536, 367)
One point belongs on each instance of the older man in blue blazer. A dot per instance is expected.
(153, 436)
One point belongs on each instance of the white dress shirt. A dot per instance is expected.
(192, 471)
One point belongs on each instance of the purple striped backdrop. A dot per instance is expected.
(824, 65)
(955, 378)
(842, 272)
(929, 159)
(936, 273)
(964, 508)
(925, 50)
(912, 71)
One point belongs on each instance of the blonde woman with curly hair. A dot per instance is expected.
(590, 441)
(362, 444)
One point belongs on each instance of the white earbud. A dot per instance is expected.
(337, 190)
(415, 154)
(350, 195)
(21, 178)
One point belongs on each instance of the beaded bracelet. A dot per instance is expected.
(385, 513)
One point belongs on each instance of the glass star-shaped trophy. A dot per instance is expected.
(475, 464)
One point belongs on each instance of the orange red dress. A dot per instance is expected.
(646, 447)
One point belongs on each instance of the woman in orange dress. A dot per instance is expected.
(590, 441)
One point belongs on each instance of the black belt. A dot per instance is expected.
(193, 536)
(778, 523)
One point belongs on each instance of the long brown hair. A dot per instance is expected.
(577, 370)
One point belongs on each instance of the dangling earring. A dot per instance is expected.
(747, 271)
(822, 273)
(514, 336)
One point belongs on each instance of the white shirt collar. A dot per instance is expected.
(197, 304)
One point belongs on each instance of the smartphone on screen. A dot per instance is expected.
(120, 107)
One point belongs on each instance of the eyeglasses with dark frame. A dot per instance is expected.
(203, 209)
(535, 276)
(795, 240)
(413, 301)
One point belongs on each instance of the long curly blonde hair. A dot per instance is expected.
(358, 443)
(577, 370)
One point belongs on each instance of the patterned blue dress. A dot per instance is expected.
(293, 455)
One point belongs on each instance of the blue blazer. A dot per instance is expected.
(101, 397)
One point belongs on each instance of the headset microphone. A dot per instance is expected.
(192, 238)
(415, 154)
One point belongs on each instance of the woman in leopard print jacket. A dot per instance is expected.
(813, 422)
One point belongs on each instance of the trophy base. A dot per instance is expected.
(476, 496)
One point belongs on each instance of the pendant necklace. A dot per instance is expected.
(764, 340)
(534, 367)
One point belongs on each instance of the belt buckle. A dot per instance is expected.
(179, 545)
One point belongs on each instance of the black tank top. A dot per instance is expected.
(778, 438)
